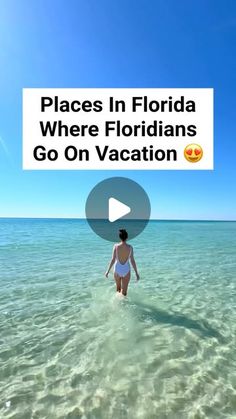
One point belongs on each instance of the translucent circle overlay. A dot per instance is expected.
(126, 191)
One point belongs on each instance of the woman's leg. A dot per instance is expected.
(125, 283)
(118, 282)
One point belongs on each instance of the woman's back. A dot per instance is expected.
(122, 255)
(123, 252)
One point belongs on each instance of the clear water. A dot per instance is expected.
(70, 348)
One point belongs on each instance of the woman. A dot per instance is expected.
(122, 252)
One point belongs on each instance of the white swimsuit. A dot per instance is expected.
(122, 269)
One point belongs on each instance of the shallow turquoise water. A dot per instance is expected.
(69, 348)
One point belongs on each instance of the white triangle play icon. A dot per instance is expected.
(117, 210)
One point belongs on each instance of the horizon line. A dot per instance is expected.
(101, 219)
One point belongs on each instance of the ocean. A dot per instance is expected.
(70, 348)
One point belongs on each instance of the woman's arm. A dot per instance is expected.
(132, 260)
(111, 262)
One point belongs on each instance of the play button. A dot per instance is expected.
(117, 203)
(117, 210)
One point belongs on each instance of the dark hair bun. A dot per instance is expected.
(123, 234)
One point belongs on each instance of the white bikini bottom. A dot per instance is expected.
(121, 269)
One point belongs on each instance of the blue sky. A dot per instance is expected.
(90, 43)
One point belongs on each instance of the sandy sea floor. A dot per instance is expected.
(71, 348)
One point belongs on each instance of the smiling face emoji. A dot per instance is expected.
(193, 153)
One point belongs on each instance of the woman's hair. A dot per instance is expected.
(123, 234)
